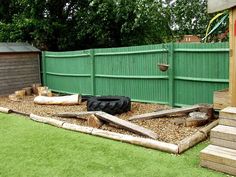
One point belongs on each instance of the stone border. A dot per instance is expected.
(182, 146)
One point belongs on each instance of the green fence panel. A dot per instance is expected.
(200, 69)
(68, 72)
(195, 72)
(132, 71)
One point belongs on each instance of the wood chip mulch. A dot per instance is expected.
(167, 130)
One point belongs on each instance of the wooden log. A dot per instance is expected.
(196, 119)
(35, 88)
(63, 100)
(47, 120)
(5, 110)
(77, 128)
(126, 125)
(163, 113)
(94, 122)
(28, 91)
(145, 142)
(197, 137)
(13, 97)
(75, 114)
(44, 91)
(20, 93)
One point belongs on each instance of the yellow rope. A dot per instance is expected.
(209, 25)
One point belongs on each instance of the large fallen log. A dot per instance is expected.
(62, 100)
(145, 142)
(47, 120)
(5, 110)
(126, 125)
(163, 113)
(197, 137)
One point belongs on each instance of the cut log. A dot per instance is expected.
(145, 142)
(196, 119)
(75, 114)
(197, 137)
(63, 100)
(35, 88)
(94, 122)
(159, 114)
(28, 91)
(44, 91)
(5, 110)
(126, 125)
(20, 93)
(47, 120)
(13, 97)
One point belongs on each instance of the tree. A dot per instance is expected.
(189, 17)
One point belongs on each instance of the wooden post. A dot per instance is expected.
(232, 74)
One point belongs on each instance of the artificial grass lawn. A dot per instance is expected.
(32, 149)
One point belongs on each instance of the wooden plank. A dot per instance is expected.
(126, 125)
(224, 132)
(227, 122)
(229, 112)
(232, 67)
(221, 155)
(163, 113)
(223, 143)
(214, 6)
(75, 114)
(218, 167)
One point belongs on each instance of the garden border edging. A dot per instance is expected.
(182, 146)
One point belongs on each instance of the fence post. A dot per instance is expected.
(171, 74)
(92, 72)
(44, 68)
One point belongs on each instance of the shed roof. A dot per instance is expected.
(17, 47)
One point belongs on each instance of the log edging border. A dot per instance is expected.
(179, 148)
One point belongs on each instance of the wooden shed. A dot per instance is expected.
(19, 66)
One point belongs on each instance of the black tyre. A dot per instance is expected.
(109, 104)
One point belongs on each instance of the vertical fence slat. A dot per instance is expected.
(171, 74)
(93, 89)
(44, 68)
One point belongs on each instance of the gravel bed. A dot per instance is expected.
(167, 130)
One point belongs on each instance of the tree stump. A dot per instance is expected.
(94, 122)
(196, 119)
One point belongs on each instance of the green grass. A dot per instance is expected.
(32, 149)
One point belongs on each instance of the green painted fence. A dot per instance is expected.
(195, 72)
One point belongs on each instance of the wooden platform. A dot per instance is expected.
(219, 158)
(221, 99)
(221, 154)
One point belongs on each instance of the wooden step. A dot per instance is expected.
(227, 122)
(224, 136)
(224, 132)
(219, 158)
(229, 112)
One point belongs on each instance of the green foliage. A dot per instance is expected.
(30, 149)
(71, 24)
